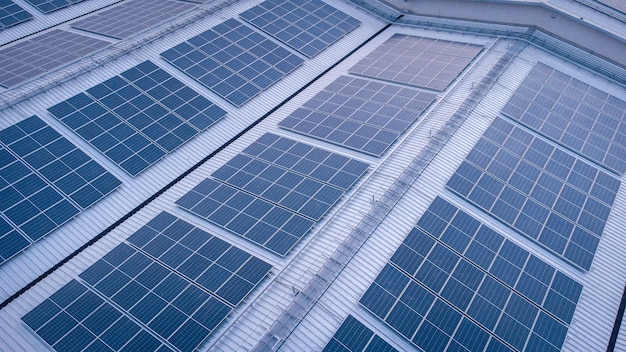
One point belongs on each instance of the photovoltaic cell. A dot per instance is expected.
(353, 336)
(574, 114)
(556, 199)
(131, 17)
(139, 296)
(12, 14)
(138, 117)
(455, 283)
(307, 26)
(44, 182)
(47, 6)
(46, 52)
(417, 61)
(359, 114)
(233, 60)
(274, 191)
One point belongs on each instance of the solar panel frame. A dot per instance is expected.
(359, 114)
(554, 198)
(572, 113)
(439, 290)
(417, 61)
(132, 17)
(12, 14)
(139, 116)
(308, 27)
(233, 60)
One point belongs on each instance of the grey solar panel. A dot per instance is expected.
(417, 61)
(307, 26)
(359, 114)
(167, 288)
(455, 283)
(45, 182)
(233, 60)
(12, 14)
(131, 17)
(43, 53)
(574, 114)
(138, 117)
(274, 191)
(554, 198)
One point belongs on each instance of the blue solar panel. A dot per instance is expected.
(47, 6)
(274, 191)
(574, 114)
(554, 198)
(417, 61)
(12, 14)
(307, 26)
(359, 114)
(353, 336)
(138, 117)
(169, 287)
(233, 60)
(44, 182)
(454, 283)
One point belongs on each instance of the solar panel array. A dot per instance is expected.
(307, 26)
(131, 17)
(47, 6)
(353, 336)
(43, 53)
(359, 114)
(455, 284)
(12, 14)
(274, 191)
(574, 114)
(417, 61)
(138, 117)
(549, 195)
(168, 287)
(233, 60)
(44, 182)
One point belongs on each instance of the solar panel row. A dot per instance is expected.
(359, 114)
(131, 17)
(233, 60)
(32, 57)
(47, 6)
(417, 61)
(44, 182)
(138, 117)
(572, 113)
(540, 190)
(150, 293)
(462, 286)
(307, 26)
(12, 14)
(274, 191)
(353, 336)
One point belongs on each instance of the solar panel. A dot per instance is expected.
(131, 17)
(274, 191)
(12, 14)
(417, 61)
(233, 60)
(138, 117)
(574, 114)
(32, 57)
(359, 114)
(44, 182)
(456, 284)
(352, 335)
(47, 6)
(306, 26)
(554, 198)
(140, 296)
